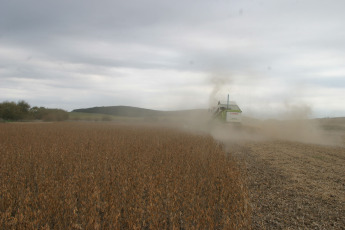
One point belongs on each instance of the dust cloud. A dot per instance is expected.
(299, 130)
(293, 124)
(218, 83)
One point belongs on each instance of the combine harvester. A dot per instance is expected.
(228, 113)
(227, 123)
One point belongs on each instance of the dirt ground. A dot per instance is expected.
(293, 185)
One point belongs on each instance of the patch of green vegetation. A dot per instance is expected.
(22, 111)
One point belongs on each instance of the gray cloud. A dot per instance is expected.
(168, 50)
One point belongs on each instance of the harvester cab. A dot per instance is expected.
(228, 112)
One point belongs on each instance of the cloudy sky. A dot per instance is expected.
(270, 56)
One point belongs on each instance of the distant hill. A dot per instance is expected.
(128, 111)
(123, 111)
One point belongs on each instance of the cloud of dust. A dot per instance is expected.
(293, 123)
(296, 125)
(218, 83)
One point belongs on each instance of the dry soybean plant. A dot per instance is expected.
(112, 176)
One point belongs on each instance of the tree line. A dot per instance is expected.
(21, 110)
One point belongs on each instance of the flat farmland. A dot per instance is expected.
(295, 172)
(112, 175)
(294, 185)
(77, 175)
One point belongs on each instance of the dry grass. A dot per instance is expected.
(107, 176)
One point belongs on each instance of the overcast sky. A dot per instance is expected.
(270, 56)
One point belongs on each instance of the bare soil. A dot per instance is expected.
(293, 185)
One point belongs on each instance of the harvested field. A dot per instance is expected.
(293, 184)
(113, 176)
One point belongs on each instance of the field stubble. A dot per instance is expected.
(112, 176)
(295, 171)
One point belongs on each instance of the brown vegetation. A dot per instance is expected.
(108, 176)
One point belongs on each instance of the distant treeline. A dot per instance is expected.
(12, 111)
